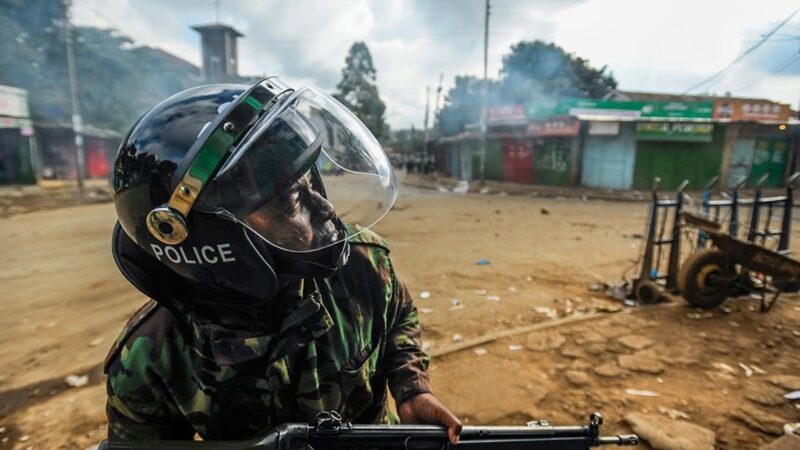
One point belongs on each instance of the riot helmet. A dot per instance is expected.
(233, 187)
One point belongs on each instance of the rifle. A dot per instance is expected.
(330, 433)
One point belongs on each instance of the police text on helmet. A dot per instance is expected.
(207, 254)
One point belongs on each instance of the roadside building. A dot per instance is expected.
(760, 141)
(609, 154)
(677, 151)
(57, 157)
(627, 140)
(555, 149)
(628, 143)
(509, 150)
(750, 138)
(459, 156)
(543, 151)
(16, 137)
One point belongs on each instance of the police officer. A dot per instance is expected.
(272, 301)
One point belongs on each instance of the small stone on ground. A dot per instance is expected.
(663, 433)
(571, 352)
(577, 378)
(765, 395)
(635, 342)
(758, 420)
(786, 442)
(641, 363)
(546, 343)
(609, 370)
(788, 382)
(589, 337)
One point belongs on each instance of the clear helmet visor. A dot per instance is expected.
(299, 169)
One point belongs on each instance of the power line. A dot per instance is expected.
(97, 13)
(717, 76)
(784, 35)
(788, 62)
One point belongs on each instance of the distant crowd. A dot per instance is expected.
(414, 164)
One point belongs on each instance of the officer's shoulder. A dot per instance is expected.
(361, 236)
(147, 327)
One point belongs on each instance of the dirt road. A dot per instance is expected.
(63, 303)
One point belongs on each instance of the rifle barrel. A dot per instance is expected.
(408, 437)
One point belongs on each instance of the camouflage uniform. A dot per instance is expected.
(323, 345)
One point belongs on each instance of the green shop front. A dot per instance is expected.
(555, 148)
(459, 156)
(17, 141)
(759, 150)
(493, 164)
(17, 146)
(615, 130)
(674, 151)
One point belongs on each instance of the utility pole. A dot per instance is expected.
(438, 104)
(77, 121)
(425, 133)
(484, 92)
(216, 11)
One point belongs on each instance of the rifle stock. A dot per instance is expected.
(331, 434)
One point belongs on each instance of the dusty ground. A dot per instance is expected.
(63, 303)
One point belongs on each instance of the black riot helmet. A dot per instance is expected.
(233, 187)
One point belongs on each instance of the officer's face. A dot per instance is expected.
(300, 219)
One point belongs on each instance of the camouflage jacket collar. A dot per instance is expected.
(295, 318)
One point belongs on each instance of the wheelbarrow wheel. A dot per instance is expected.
(704, 279)
(648, 291)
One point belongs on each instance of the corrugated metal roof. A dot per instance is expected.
(667, 97)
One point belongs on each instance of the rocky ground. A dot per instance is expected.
(479, 266)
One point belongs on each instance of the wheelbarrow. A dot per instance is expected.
(733, 267)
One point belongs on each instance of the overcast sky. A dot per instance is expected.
(648, 45)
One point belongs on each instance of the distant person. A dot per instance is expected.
(266, 306)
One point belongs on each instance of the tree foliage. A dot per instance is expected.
(358, 90)
(463, 103)
(407, 141)
(538, 68)
(533, 72)
(117, 81)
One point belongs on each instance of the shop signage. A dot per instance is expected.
(750, 110)
(555, 127)
(677, 110)
(603, 128)
(674, 131)
(12, 122)
(615, 110)
(13, 102)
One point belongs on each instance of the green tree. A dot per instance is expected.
(407, 141)
(536, 69)
(463, 104)
(533, 72)
(358, 90)
(32, 54)
(117, 81)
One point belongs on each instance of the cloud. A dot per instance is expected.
(657, 47)
(777, 59)
(671, 46)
